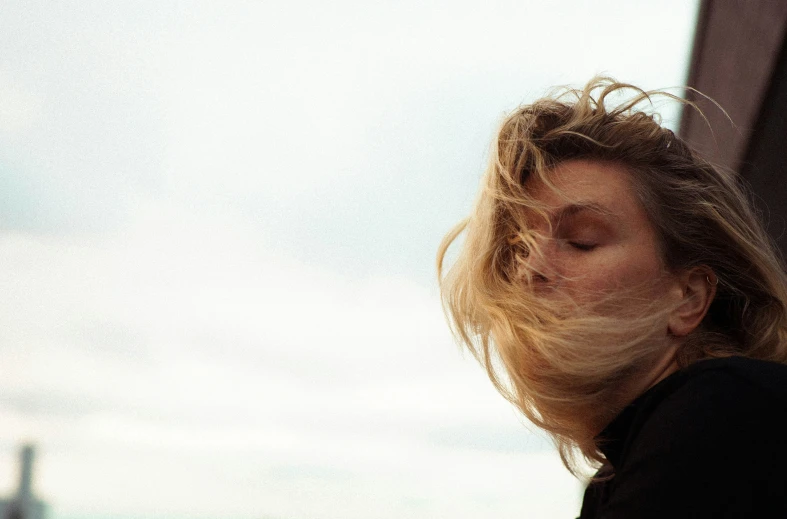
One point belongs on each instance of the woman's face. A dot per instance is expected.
(600, 240)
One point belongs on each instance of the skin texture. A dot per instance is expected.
(599, 240)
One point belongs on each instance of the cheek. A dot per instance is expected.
(616, 269)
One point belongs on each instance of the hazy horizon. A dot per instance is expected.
(219, 224)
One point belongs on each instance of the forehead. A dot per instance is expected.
(606, 184)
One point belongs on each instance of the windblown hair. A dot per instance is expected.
(561, 362)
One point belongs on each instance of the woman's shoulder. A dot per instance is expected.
(713, 435)
(722, 409)
(706, 405)
(729, 382)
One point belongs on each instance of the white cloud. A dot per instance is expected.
(219, 230)
(244, 357)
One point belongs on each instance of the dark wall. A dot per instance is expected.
(739, 59)
(765, 162)
(736, 45)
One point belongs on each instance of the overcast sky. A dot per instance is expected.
(218, 223)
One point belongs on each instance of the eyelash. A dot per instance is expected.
(585, 247)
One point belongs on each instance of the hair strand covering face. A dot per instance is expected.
(560, 361)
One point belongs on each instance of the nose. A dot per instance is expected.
(539, 264)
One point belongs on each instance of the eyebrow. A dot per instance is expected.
(574, 209)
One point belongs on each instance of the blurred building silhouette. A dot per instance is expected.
(24, 505)
(739, 58)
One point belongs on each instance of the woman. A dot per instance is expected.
(622, 293)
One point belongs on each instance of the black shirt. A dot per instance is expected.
(707, 441)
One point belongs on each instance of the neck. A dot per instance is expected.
(665, 365)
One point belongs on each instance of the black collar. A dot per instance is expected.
(617, 436)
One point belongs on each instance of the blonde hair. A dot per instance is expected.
(560, 362)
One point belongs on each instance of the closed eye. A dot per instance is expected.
(582, 246)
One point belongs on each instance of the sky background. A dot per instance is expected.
(218, 223)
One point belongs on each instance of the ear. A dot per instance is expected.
(695, 289)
